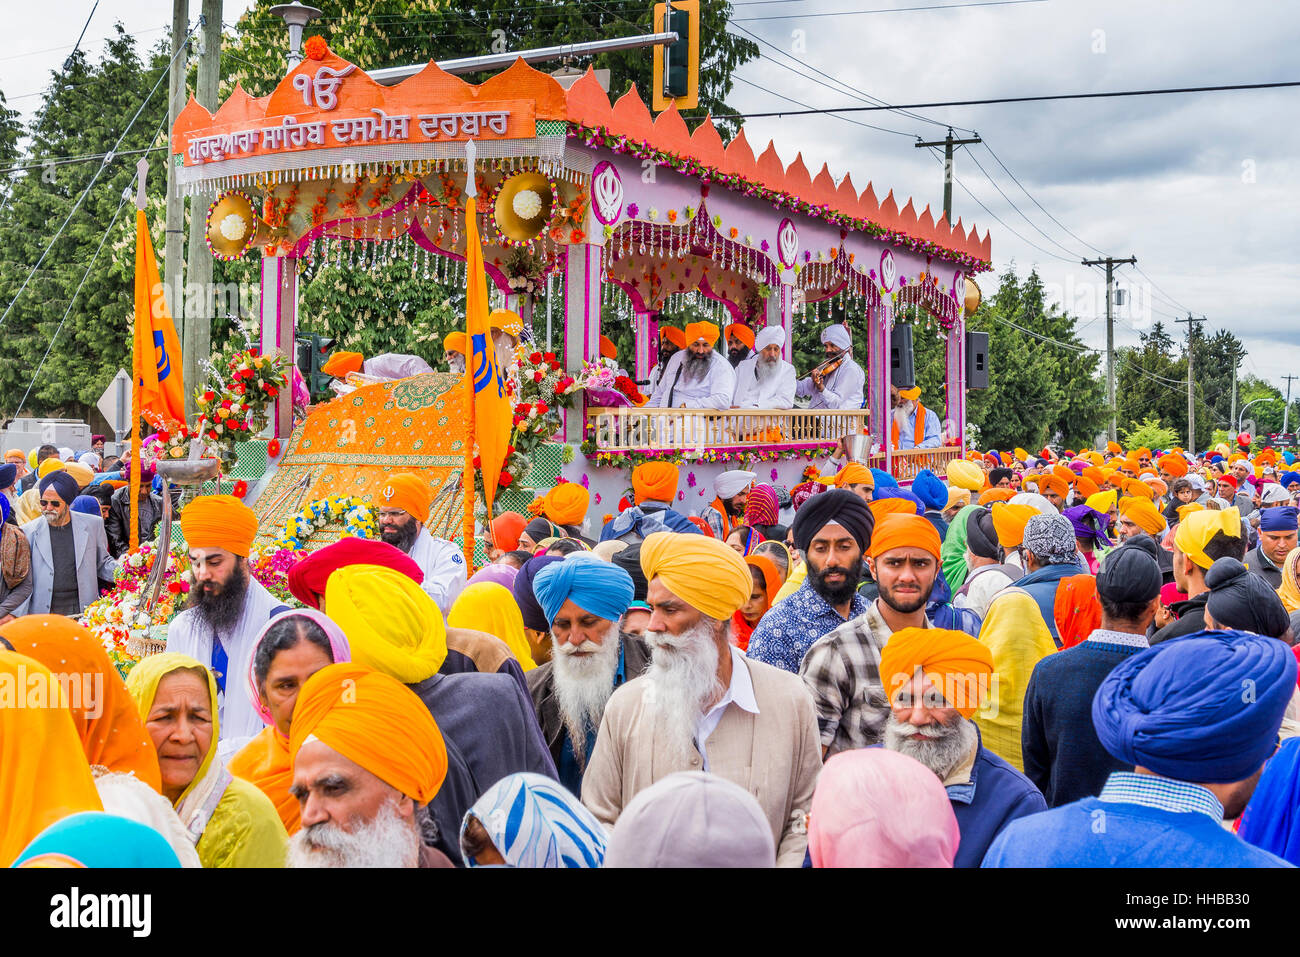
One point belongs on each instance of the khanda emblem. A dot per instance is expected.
(485, 365)
(164, 360)
(388, 493)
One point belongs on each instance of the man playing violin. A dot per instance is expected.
(841, 386)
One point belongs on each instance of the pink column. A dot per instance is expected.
(955, 386)
(878, 320)
(581, 339)
(279, 314)
(647, 331)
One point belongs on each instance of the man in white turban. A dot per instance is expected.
(765, 380)
(728, 508)
(842, 389)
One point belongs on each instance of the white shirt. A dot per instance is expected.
(443, 565)
(393, 365)
(842, 389)
(713, 392)
(740, 691)
(753, 393)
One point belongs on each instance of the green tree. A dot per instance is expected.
(1149, 434)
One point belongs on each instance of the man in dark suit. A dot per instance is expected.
(69, 552)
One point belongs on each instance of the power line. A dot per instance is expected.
(1036, 202)
(880, 129)
(930, 7)
(1017, 208)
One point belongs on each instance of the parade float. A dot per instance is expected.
(622, 214)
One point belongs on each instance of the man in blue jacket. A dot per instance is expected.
(1050, 555)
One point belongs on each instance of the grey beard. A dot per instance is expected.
(683, 675)
(456, 363)
(583, 686)
(384, 841)
(766, 371)
(945, 748)
(696, 368)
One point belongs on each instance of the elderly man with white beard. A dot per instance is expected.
(367, 759)
(702, 705)
(765, 380)
(697, 377)
(912, 425)
(584, 600)
(935, 680)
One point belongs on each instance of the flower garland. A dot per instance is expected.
(358, 520)
(601, 136)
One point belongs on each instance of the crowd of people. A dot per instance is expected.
(1052, 659)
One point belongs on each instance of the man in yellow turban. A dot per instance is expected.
(1138, 515)
(1201, 539)
(967, 475)
(454, 346)
(487, 719)
(507, 330)
(226, 610)
(368, 760)
(403, 503)
(702, 705)
(935, 680)
(698, 377)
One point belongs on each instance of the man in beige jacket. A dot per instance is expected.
(702, 705)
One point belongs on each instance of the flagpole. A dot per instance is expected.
(142, 172)
(467, 477)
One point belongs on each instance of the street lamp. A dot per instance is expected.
(295, 16)
(1242, 416)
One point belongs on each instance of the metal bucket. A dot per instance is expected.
(858, 447)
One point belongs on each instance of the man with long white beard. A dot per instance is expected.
(698, 377)
(507, 332)
(453, 345)
(936, 680)
(367, 760)
(702, 705)
(765, 380)
(403, 505)
(912, 425)
(584, 600)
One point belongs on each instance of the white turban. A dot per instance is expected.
(1034, 500)
(770, 336)
(837, 336)
(732, 483)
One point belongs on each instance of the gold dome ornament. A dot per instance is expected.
(523, 206)
(232, 227)
(973, 296)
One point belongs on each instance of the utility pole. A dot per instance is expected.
(1236, 360)
(1110, 263)
(1191, 395)
(1286, 412)
(948, 143)
(174, 247)
(196, 345)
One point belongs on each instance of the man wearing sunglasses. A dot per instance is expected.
(69, 551)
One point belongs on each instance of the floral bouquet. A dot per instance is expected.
(116, 617)
(270, 566)
(358, 519)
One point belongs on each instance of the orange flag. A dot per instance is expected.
(485, 385)
(157, 368)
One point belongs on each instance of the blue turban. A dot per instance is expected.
(1204, 707)
(87, 505)
(1289, 477)
(1271, 820)
(1216, 457)
(1280, 518)
(929, 489)
(602, 589)
(534, 617)
(8, 474)
(1289, 458)
(63, 483)
(895, 492)
(883, 479)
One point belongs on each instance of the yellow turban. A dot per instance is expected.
(506, 321)
(490, 607)
(1009, 522)
(1102, 501)
(1196, 530)
(566, 504)
(912, 394)
(454, 342)
(83, 474)
(701, 571)
(1143, 513)
(654, 480)
(406, 491)
(31, 458)
(957, 665)
(707, 331)
(374, 721)
(339, 364)
(965, 475)
(1185, 510)
(957, 496)
(852, 474)
(52, 464)
(219, 521)
(1022, 454)
(391, 623)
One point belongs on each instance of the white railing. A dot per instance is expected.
(628, 429)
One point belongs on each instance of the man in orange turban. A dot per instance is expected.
(339, 364)
(1055, 489)
(855, 478)
(367, 760)
(566, 505)
(698, 377)
(403, 503)
(454, 344)
(1138, 515)
(671, 341)
(226, 609)
(740, 343)
(654, 489)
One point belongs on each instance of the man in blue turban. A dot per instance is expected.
(1197, 717)
(929, 488)
(1277, 536)
(584, 601)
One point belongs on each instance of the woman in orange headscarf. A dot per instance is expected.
(767, 582)
(106, 718)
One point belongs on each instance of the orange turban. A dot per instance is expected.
(738, 330)
(991, 495)
(1142, 512)
(1085, 486)
(1094, 474)
(904, 531)
(701, 571)
(1114, 448)
(673, 335)
(891, 506)
(957, 665)
(566, 504)
(707, 331)
(607, 348)
(341, 363)
(406, 491)
(1138, 489)
(219, 521)
(506, 321)
(1009, 522)
(852, 474)
(1053, 483)
(454, 342)
(1065, 473)
(911, 394)
(654, 480)
(506, 528)
(375, 721)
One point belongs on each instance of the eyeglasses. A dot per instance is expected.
(45, 504)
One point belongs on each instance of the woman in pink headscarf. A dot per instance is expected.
(879, 808)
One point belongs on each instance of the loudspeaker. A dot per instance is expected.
(977, 360)
(902, 368)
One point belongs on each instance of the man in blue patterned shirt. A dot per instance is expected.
(832, 531)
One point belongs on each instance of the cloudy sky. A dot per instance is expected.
(1199, 187)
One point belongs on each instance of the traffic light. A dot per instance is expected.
(311, 351)
(676, 72)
